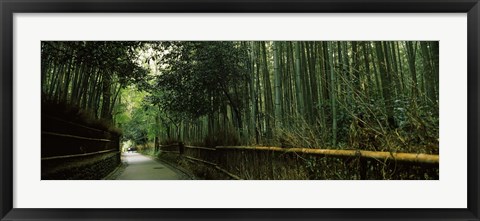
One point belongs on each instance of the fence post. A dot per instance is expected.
(181, 148)
(363, 168)
(362, 164)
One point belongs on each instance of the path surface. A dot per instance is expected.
(140, 167)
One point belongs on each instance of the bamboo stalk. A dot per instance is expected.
(404, 157)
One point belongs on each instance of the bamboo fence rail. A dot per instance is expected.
(75, 137)
(202, 148)
(78, 155)
(405, 157)
(215, 166)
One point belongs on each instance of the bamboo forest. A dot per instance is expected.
(240, 110)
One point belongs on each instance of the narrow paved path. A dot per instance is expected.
(140, 167)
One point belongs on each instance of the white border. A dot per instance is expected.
(449, 192)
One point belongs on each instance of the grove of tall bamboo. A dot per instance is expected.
(380, 95)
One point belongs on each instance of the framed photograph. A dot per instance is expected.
(238, 110)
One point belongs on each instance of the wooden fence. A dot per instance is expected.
(60, 138)
(70, 150)
(274, 163)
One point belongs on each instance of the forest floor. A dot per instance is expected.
(139, 167)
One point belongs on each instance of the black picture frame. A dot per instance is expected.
(9, 7)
